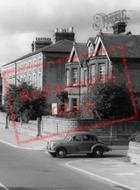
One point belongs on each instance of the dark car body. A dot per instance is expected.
(77, 143)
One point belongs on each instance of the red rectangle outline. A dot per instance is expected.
(101, 124)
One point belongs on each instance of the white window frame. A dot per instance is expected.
(93, 73)
(67, 76)
(102, 71)
(85, 77)
(74, 107)
(74, 79)
(40, 80)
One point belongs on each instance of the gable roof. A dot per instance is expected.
(130, 43)
(62, 46)
(92, 40)
(81, 50)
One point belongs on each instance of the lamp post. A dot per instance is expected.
(38, 127)
(7, 122)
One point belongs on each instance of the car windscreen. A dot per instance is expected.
(68, 137)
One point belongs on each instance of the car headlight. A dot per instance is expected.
(52, 144)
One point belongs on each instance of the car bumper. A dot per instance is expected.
(49, 149)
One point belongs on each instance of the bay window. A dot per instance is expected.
(102, 72)
(67, 76)
(93, 73)
(74, 75)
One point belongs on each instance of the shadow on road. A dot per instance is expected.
(85, 156)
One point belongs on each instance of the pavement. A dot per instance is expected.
(115, 170)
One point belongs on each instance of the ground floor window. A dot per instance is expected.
(74, 104)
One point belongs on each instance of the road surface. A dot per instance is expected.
(35, 170)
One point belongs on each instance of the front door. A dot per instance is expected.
(87, 143)
(76, 144)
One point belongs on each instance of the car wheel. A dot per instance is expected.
(53, 154)
(61, 153)
(98, 152)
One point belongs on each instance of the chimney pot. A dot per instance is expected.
(40, 43)
(56, 30)
(119, 27)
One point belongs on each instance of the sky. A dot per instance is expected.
(21, 21)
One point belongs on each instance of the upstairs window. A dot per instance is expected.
(40, 80)
(74, 76)
(93, 73)
(30, 81)
(67, 76)
(29, 65)
(102, 72)
(85, 77)
(35, 80)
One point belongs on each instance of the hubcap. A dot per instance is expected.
(61, 153)
(98, 152)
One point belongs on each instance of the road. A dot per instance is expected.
(35, 170)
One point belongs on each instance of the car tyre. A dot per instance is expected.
(98, 152)
(61, 153)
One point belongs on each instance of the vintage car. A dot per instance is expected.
(77, 143)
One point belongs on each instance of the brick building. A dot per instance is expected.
(103, 58)
(45, 65)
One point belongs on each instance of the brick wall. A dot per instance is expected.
(115, 134)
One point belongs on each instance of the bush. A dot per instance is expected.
(108, 101)
(70, 114)
(25, 102)
(135, 137)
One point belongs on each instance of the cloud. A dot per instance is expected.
(23, 20)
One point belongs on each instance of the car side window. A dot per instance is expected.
(86, 137)
(77, 138)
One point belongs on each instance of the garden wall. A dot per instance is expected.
(134, 152)
(112, 134)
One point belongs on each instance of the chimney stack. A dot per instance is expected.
(40, 43)
(63, 33)
(119, 27)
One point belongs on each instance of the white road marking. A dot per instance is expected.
(26, 148)
(124, 174)
(3, 187)
(97, 176)
(8, 143)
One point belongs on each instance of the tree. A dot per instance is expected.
(110, 101)
(25, 101)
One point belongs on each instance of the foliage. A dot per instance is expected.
(70, 114)
(24, 102)
(2, 108)
(107, 101)
(62, 97)
(135, 137)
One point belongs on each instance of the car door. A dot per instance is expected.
(87, 143)
(76, 144)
